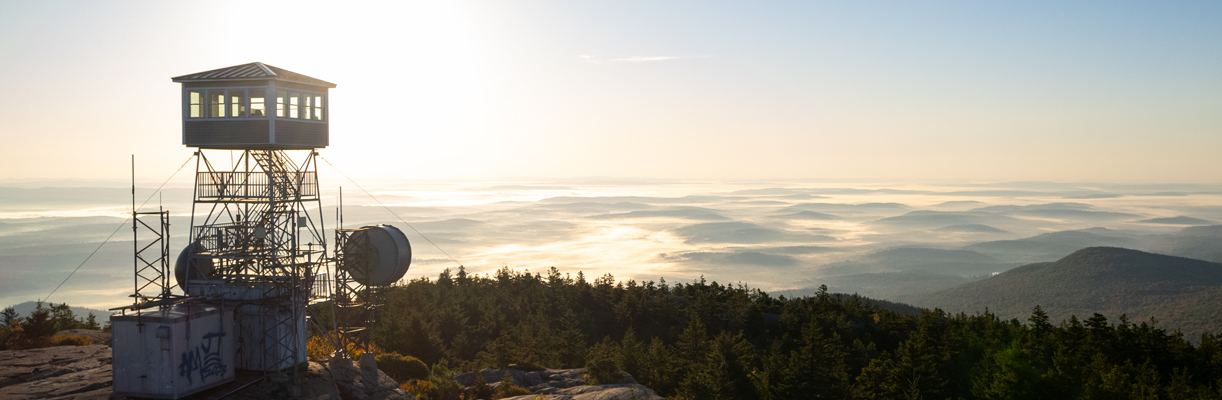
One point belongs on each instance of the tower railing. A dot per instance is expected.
(253, 186)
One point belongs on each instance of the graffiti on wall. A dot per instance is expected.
(204, 359)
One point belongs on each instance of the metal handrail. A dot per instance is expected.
(251, 185)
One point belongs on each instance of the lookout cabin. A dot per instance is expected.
(254, 106)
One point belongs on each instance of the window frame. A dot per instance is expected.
(225, 91)
(202, 104)
(250, 102)
(315, 104)
(213, 107)
(308, 103)
(236, 108)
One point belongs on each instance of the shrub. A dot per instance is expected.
(71, 340)
(417, 387)
(10, 337)
(319, 347)
(401, 368)
(507, 388)
(509, 391)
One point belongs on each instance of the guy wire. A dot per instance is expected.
(392, 212)
(112, 234)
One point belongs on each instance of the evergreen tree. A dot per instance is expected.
(570, 341)
(631, 354)
(480, 388)
(815, 370)
(91, 322)
(10, 318)
(38, 327)
(442, 384)
(706, 341)
(659, 368)
(600, 363)
(63, 316)
(730, 364)
(693, 343)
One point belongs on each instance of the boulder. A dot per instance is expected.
(352, 383)
(532, 378)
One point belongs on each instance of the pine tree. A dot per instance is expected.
(729, 364)
(91, 322)
(816, 370)
(63, 316)
(631, 353)
(693, 342)
(10, 318)
(38, 327)
(600, 363)
(659, 368)
(480, 388)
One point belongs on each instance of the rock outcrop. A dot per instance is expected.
(561, 384)
(61, 372)
(85, 373)
(334, 379)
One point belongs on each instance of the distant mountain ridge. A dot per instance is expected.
(1179, 292)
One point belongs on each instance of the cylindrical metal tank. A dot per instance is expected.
(387, 259)
(187, 267)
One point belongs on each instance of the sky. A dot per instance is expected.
(1112, 91)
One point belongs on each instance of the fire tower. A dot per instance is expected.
(257, 243)
(256, 259)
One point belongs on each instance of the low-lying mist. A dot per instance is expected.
(876, 239)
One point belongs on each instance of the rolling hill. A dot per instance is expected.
(963, 263)
(1054, 245)
(1179, 292)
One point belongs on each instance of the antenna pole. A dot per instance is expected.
(135, 246)
(133, 185)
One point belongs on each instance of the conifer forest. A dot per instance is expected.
(705, 340)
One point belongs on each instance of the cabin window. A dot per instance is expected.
(318, 108)
(195, 104)
(216, 103)
(293, 103)
(257, 108)
(237, 103)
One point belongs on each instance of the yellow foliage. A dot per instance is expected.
(416, 387)
(505, 391)
(71, 340)
(319, 347)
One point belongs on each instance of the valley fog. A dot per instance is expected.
(880, 239)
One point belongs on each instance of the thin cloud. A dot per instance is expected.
(635, 59)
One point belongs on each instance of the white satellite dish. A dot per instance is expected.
(388, 257)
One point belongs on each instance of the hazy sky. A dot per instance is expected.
(1105, 90)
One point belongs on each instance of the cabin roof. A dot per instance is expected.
(251, 71)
